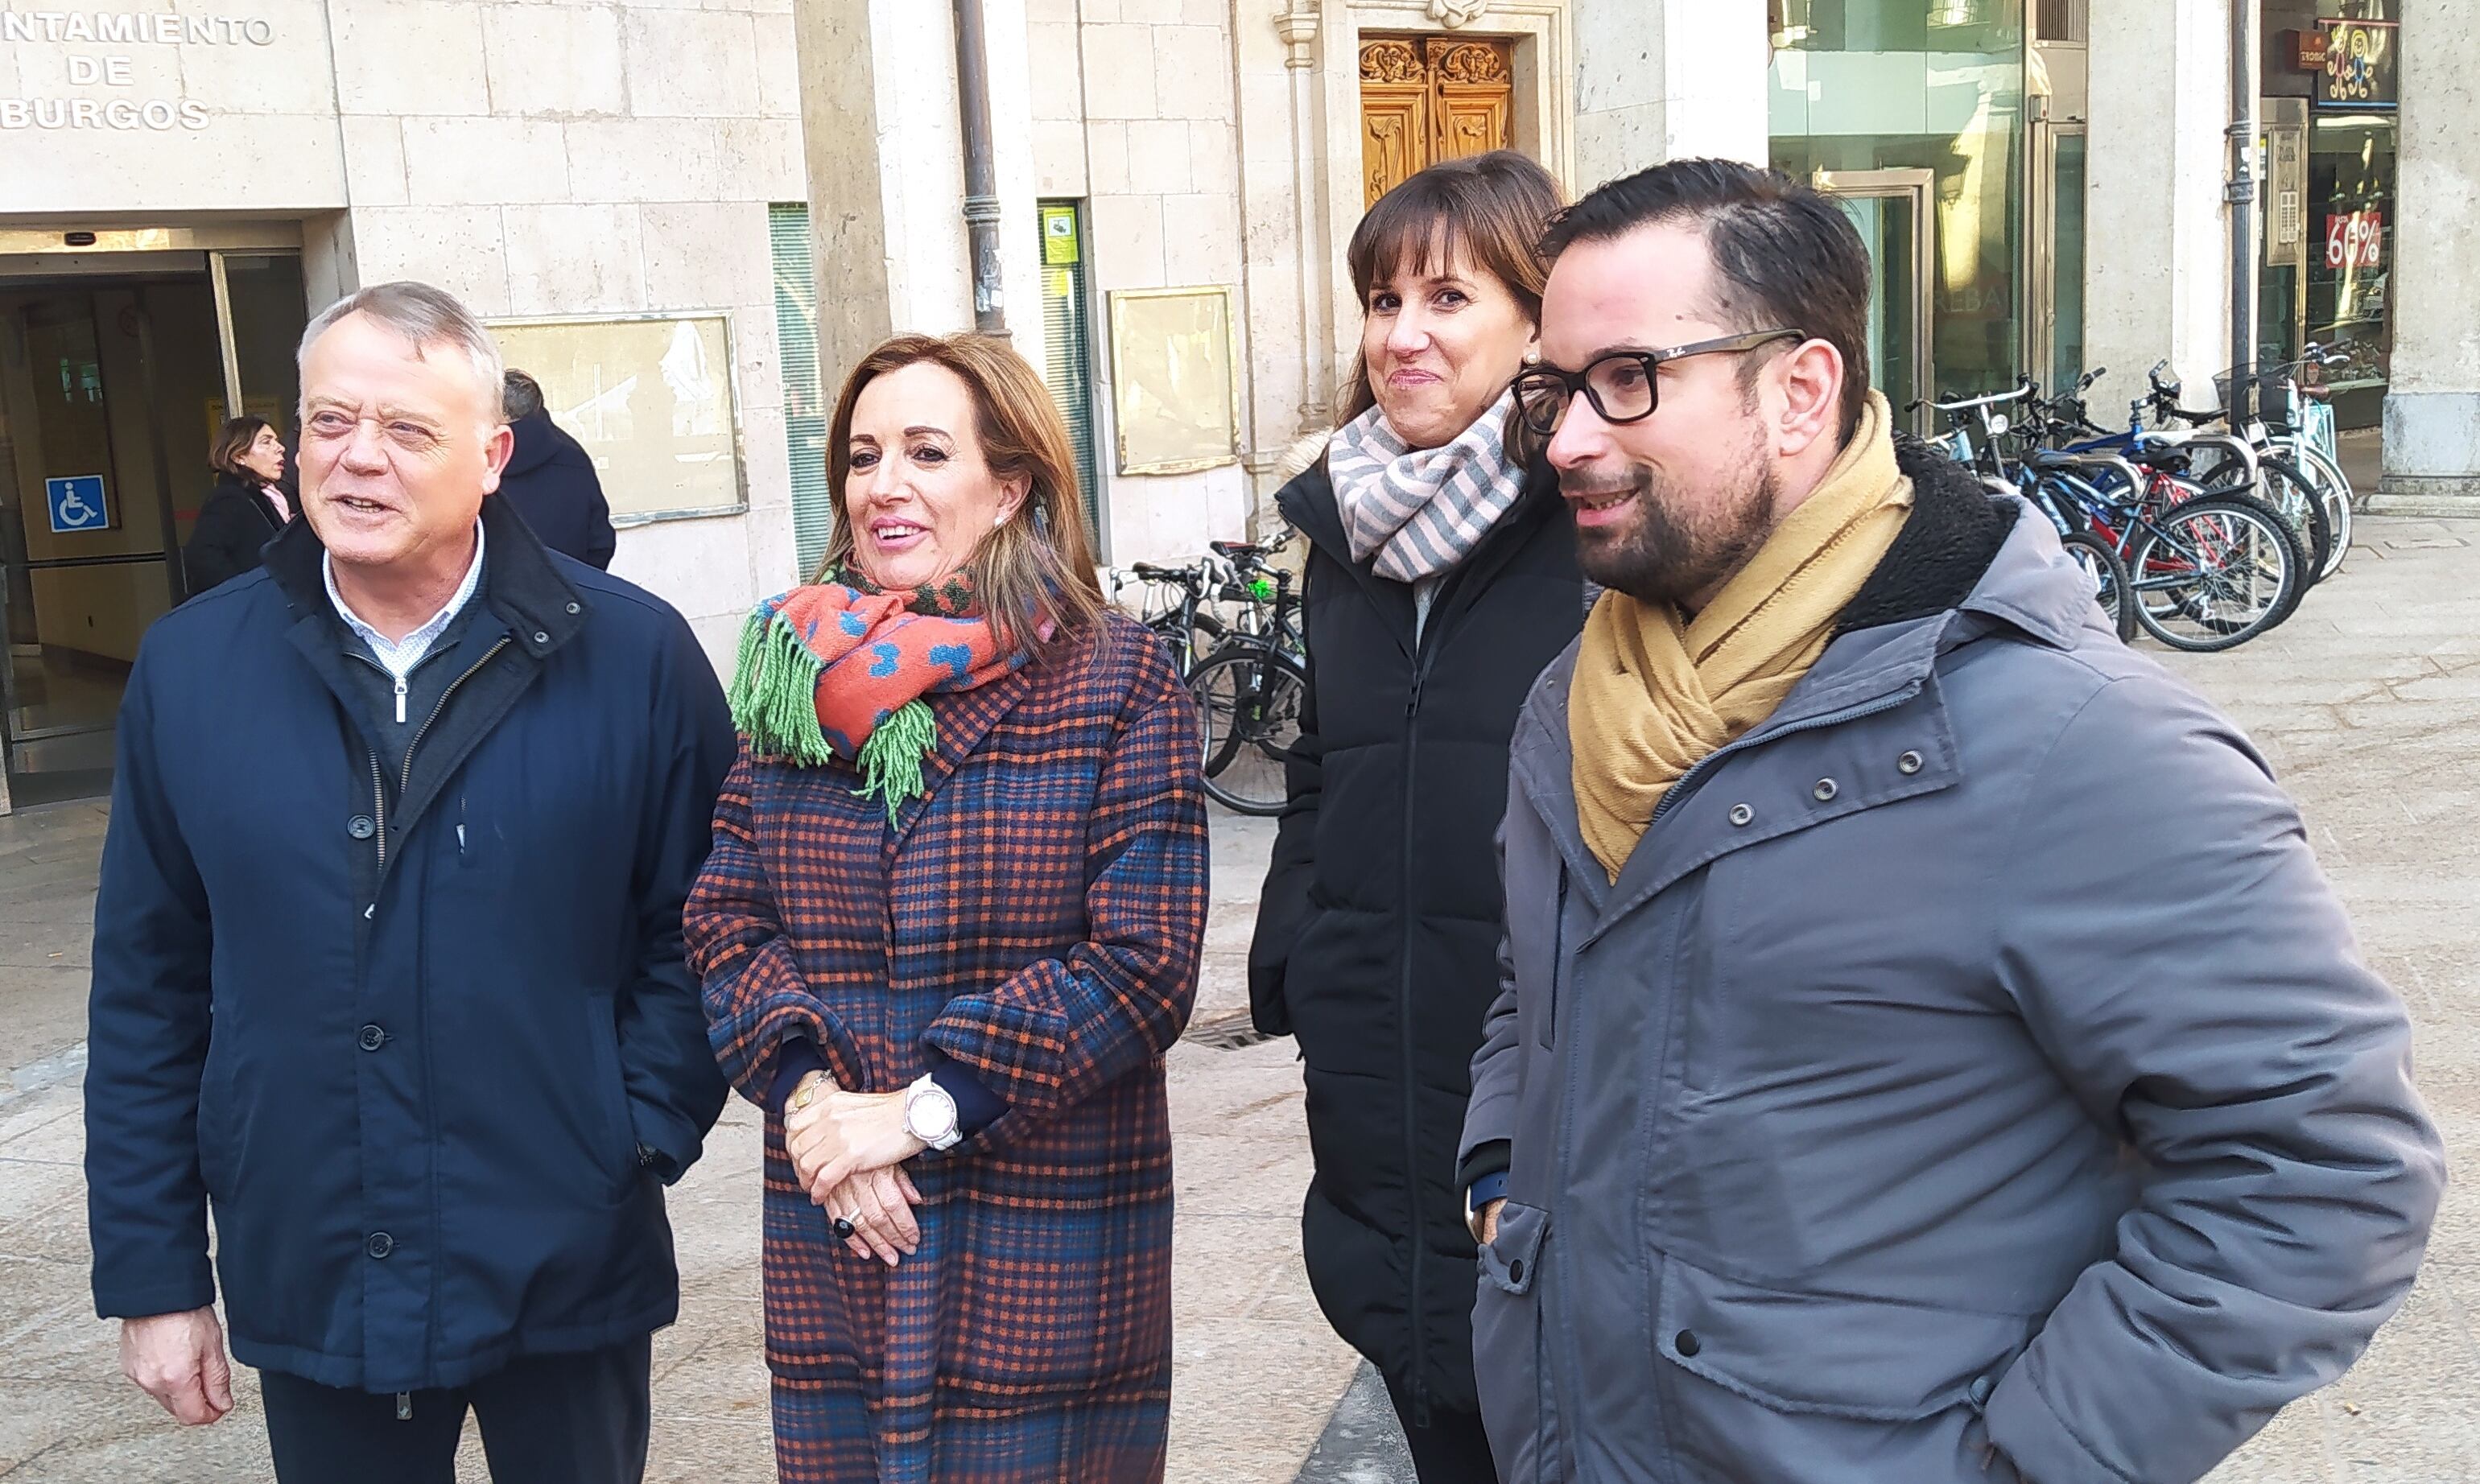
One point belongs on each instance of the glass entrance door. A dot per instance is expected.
(111, 386)
(1891, 208)
(2055, 274)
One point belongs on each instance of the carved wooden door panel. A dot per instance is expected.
(1395, 109)
(1424, 99)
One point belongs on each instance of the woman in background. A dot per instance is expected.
(245, 509)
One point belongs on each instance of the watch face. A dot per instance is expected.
(932, 1114)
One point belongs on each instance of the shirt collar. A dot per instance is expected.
(420, 640)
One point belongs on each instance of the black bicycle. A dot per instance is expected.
(1252, 690)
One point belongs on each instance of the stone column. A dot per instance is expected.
(884, 154)
(2433, 407)
(1667, 80)
(2156, 266)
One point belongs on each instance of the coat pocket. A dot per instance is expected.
(1506, 1343)
(1833, 1355)
(619, 1130)
(1507, 1261)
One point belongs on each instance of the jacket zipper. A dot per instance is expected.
(379, 807)
(1422, 654)
(407, 780)
(1557, 1378)
(404, 780)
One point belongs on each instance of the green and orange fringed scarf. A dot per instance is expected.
(838, 669)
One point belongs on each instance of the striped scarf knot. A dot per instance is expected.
(1420, 511)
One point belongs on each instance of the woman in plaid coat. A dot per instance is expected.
(948, 931)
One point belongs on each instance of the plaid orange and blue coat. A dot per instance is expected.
(1036, 917)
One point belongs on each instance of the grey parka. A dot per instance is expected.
(1971, 1055)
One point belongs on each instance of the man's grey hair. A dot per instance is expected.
(520, 396)
(425, 316)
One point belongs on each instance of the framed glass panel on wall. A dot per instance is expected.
(651, 398)
(1863, 86)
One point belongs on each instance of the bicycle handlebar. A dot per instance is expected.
(1990, 400)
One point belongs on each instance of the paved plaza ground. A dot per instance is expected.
(2367, 703)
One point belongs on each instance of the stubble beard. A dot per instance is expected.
(1675, 550)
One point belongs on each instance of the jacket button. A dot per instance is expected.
(1686, 1342)
(1516, 1270)
(1909, 762)
(373, 1038)
(380, 1244)
(1741, 813)
(1981, 1386)
(574, 610)
(1825, 790)
(540, 637)
(360, 827)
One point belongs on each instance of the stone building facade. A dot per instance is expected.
(690, 215)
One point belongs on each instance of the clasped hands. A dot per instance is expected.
(847, 1151)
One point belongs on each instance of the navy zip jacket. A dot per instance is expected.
(420, 1036)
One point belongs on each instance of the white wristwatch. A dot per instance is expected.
(930, 1114)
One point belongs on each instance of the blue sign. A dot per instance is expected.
(77, 505)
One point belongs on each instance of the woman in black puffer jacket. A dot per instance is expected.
(243, 512)
(1441, 580)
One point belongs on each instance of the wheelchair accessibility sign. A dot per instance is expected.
(77, 505)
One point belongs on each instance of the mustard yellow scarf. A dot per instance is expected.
(1656, 692)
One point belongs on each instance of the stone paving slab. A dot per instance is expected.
(1244, 1322)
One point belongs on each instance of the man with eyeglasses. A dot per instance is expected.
(1927, 1050)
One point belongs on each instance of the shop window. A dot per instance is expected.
(2350, 254)
(1871, 90)
(805, 406)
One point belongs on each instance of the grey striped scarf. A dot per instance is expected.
(1420, 511)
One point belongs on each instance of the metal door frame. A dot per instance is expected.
(1918, 187)
(2040, 258)
(67, 254)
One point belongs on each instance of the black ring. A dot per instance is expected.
(843, 1229)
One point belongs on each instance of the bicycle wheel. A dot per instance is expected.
(2332, 489)
(2212, 574)
(2108, 579)
(1249, 701)
(2281, 485)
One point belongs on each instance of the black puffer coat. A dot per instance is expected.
(1378, 932)
(236, 520)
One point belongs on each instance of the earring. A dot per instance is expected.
(998, 520)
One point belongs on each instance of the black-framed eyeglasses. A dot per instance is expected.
(1620, 385)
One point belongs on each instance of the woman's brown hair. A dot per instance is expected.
(1038, 568)
(1490, 210)
(223, 455)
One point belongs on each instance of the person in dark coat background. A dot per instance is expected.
(551, 481)
(1442, 579)
(246, 510)
(388, 968)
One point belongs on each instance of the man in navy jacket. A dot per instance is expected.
(388, 967)
(551, 480)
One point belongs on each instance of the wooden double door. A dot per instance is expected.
(1424, 99)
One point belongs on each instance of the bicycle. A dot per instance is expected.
(1252, 691)
(2256, 457)
(2208, 569)
(1189, 612)
(1990, 461)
